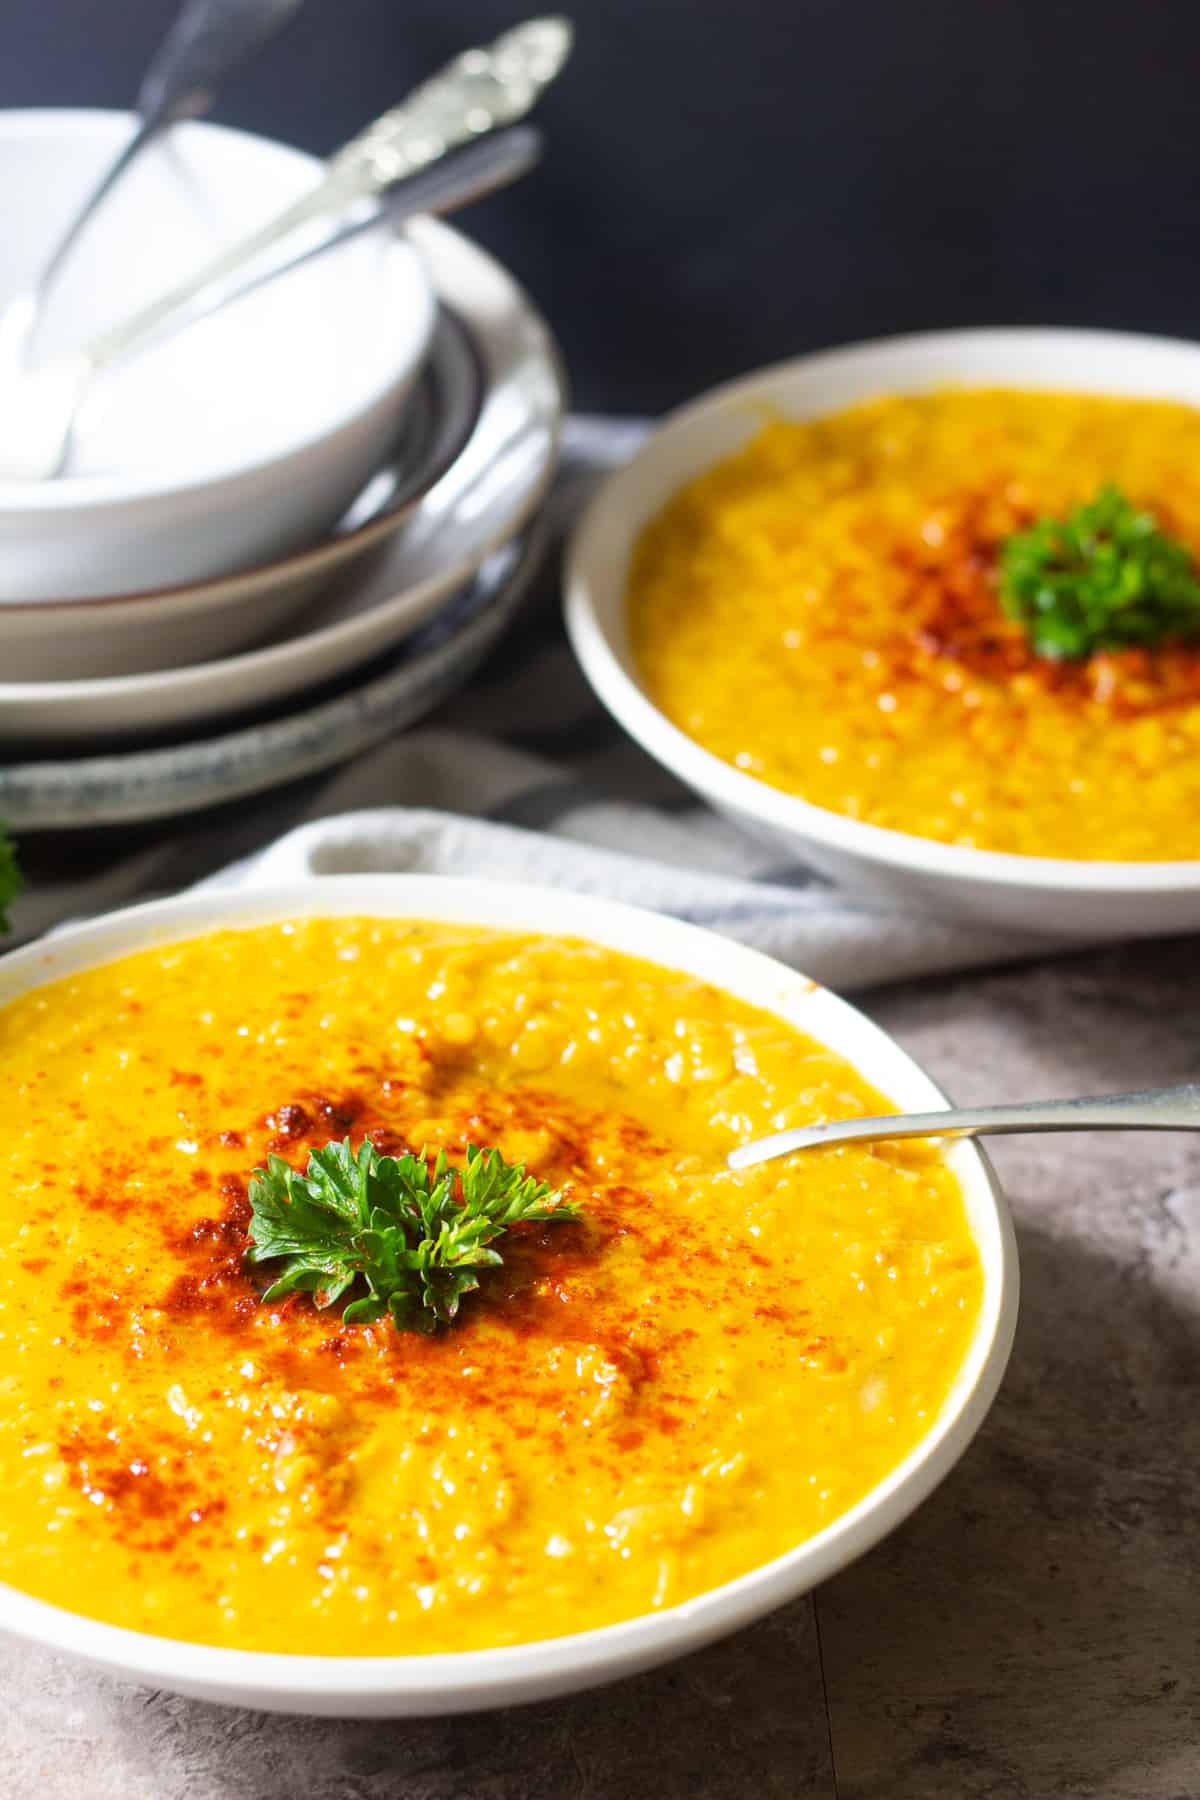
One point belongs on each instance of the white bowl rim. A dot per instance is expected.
(518, 351)
(404, 274)
(774, 807)
(466, 1680)
(335, 547)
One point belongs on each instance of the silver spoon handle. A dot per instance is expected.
(207, 40)
(444, 187)
(478, 91)
(1154, 1109)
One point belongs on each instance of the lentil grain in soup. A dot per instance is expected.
(704, 1370)
(843, 573)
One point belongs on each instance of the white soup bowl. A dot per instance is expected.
(244, 437)
(388, 1686)
(1056, 897)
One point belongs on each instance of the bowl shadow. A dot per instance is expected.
(1032, 1630)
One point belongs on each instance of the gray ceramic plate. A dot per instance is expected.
(327, 729)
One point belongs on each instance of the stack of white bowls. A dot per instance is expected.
(284, 533)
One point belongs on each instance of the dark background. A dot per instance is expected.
(731, 181)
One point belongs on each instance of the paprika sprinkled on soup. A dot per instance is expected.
(970, 615)
(686, 1373)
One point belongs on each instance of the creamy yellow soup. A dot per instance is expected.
(822, 611)
(703, 1371)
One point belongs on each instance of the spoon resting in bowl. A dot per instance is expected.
(209, 39)
(1154, 1109)
(455, 117)
(41, 408)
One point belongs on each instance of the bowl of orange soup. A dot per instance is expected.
(685, 1400)
(795, 598)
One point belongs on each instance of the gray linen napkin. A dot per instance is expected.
(523, 775)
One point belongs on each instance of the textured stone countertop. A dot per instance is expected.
(1033, 1631)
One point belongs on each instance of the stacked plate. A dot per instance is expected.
(352, 638)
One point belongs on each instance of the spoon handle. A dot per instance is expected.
(1154, 1109)
(477, 92)
(206, 41)
(443, 187)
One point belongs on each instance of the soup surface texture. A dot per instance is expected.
(822, 611)
(701, 1372)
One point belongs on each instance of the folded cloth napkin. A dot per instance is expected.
(523, 775)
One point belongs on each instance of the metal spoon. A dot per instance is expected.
(208, 39)
(1155, 1109)
(477, 92)
(480, 91)
(443, 187)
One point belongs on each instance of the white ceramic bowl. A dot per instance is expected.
(246, 436)
(416, 1685)
(70, 645)
(493, 489)
(1055, 897)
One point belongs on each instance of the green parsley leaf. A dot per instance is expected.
(411, 1238)
(1104, 578)
(10, 877)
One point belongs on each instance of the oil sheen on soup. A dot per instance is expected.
(701, 1372)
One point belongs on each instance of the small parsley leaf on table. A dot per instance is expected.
(10, 877)
(413, 1237)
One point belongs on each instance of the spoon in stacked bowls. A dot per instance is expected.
(476, 94)
(208, 40)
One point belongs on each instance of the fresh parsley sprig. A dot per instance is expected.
(415, 1238)
(1103, 578)
(10, 877)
